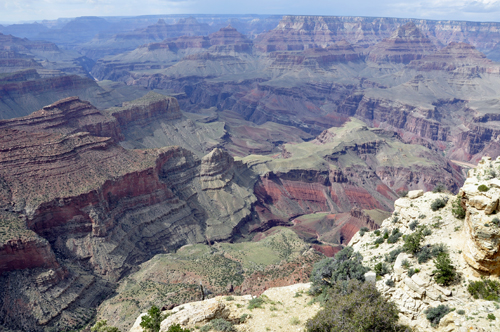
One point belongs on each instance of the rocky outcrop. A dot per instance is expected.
(481, 251)
(414, 292)
(406, 44)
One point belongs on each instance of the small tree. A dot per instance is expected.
(434, 315)
(413, 242)
(102, 326)
(445, 272)
(355, 306)
(457, 209)
(152, 320)
(346, 265)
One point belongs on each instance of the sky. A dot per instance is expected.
(471, 10)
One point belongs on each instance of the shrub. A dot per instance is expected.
(395, 219)
(220, 324)
(445, 272)
(403, 193)
(347, 306)
(346, 265)
(381, 269)
(379, 240)
(243, 318)
(425, 231)
(412, 271)
(424, 255)
(405, 263)
(484, 289)
(457, 209)
(386, 234)
(496, 221)
(491, 317)
(483, 188)
(439, 188)
(229, 298)
(413, 225)
(422, 216)
(461, 312)
(177, 328)
(377, 232)
(390, 283)
(363, 230)
(102, 326)
(393, 254)
(413, 242)
(434, 315)
(256, 302)
(438, 249)
(394, 237)
(152, 320)
(439, 203)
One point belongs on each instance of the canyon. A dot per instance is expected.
(253, 145)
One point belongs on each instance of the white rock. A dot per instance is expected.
(415, 194)
(370, 276)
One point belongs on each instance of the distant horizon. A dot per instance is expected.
(24, 11)
(116, 17)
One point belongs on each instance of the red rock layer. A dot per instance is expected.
(26, 253)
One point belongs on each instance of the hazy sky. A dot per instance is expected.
(474, 10)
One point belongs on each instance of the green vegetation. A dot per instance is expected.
(485, 289)
(294, 321)
(427, 252)
(413, 242)
(244, 317)
(457, 209)
(393, 254)
(390, 283)
(461, 312)
(256, 302)
(434, 315)
(152, 320)
(346, 265)
(496, 221)
(439, 188)
(483, 188)
(413, 225)
(439, 203)
(177, 328)
(349, 303)
(412, 271)
(102, 326)
(381, 269)
(491, 317)
(220, 324)
(444, 272)
(363, 230)
(394, 237)
(403, 193)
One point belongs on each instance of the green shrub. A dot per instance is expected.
(152, 320)
(346, 265)
(393, 254)
(461, 312)
(177, 328)
(347, 307)
(403, 193)
(483, 188)
(412, 271)
(424, 255)
(394, 238)
(496, 221)
(244, 317)
(377, 232)
(445, 272)
(379, 240)
(485, 289)
(439, 188)
(439, 203)
(102, 326)
(405, 263)
(220, 324)
(434, 315)
(229, 298)
(491, 317)
(381, 269)
(363, 230)
(425, 231)
(457, 209)
(386, 234)
(413, 225)
(422, 216)
(395, 219)
(256, 302)
(412, 242)
(390, 283)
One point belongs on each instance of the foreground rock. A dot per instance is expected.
(471, 245)
(285, 308)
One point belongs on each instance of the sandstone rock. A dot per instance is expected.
(414, 287)
(398, 264)
(371, 276)
(196, 313)
(415, 194)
